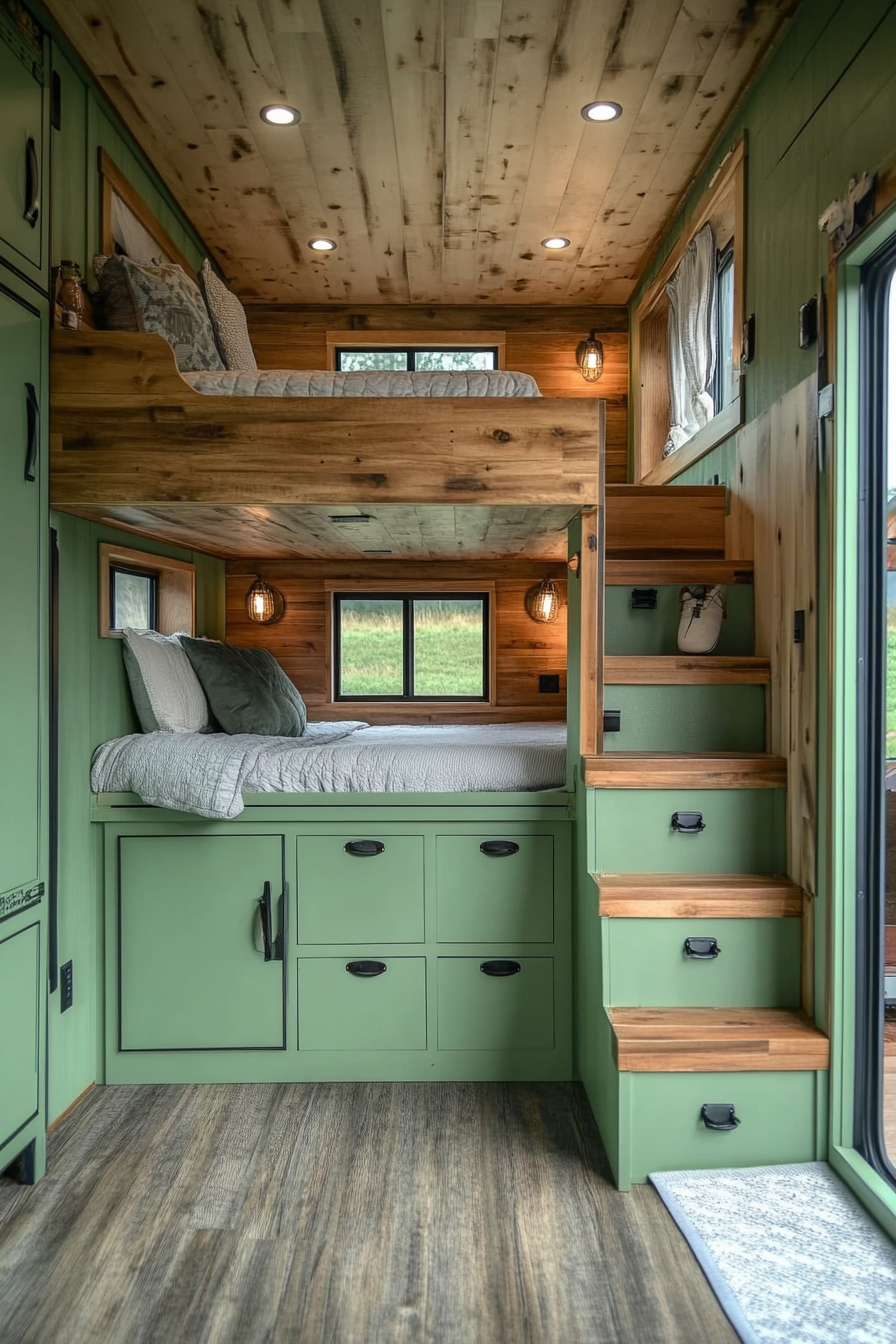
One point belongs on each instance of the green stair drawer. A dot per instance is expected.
(687, 718)
(499, 894)
(20, 990)
(339, 1010)
(777, 1113)
(347, 897)
(633, 832)
(478, 1011)
(758, 965)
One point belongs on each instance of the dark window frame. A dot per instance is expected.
(411, 351)
(152, 575)
(408, 598)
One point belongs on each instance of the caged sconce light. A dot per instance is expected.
(590, 358)
(543, 602)
(264, 604)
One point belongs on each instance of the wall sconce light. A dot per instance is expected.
(590, 358)
(264, 604)
(543, 602)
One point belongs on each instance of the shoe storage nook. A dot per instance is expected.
(706, 1057)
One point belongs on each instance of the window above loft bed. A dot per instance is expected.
(415, 351)
(127, 225)
(687, 336)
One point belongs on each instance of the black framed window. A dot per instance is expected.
(133, 598)
(410, 646)
(723, 375)
(415, 359)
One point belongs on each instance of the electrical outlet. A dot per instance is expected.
(549, 682)
(66, 987)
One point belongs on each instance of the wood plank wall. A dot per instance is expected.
(523, 649)
(540, 341)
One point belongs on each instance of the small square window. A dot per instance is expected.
(133, 598)
(402, 646)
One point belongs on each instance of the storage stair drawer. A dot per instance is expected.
(743, 830)
(496, 1003)
(703, 962)
(495, 888)
(360, 888)
(362, 1003)
(687, 718)
(776, 1112)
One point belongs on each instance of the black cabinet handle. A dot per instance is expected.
(266, 917)
(500, 968)
(701, 949)
(33, 406)
(365, 849)
(719, 1116)
(365, 970)
(499, 849)
(32, 183)
(688, 823)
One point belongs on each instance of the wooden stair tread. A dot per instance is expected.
(665, 522)
(684, 670)
(676, 573)
(716, 1040)
(693, 770)
(698, 896)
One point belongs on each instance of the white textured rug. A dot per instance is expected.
(791, 1254)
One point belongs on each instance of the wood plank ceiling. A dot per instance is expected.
(440, 140)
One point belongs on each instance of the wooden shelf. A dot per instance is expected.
(716, 1040)
(669, 770)
(697, 896)
(676, 573)
(684, 670)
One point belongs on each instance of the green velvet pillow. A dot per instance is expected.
(247, 689)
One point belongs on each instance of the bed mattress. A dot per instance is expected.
(304, 383)
(208, 773)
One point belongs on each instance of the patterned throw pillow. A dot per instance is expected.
(228, 321)
(160, 299)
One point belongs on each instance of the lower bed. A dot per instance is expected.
(208, 773)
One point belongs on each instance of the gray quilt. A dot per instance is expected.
(303, 383)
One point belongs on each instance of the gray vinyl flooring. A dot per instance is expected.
(342, 1214)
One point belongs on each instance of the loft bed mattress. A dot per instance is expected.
(292, 383)
(207, 773)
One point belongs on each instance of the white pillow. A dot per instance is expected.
(167, 695)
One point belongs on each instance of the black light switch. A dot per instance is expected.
(549, 683)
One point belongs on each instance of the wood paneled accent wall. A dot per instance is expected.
(523, 649)
(539, 341)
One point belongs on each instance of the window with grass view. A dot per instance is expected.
(411, 646)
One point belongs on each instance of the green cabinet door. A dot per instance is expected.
(192, 976)
(22, 228)
(20, 1015)
(353, 1003)
(482, 1011)
(360, 888)
(21, 547)
(493, 888)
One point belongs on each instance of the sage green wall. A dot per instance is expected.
(822, 111)
(94, 705)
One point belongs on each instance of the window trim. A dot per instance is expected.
(427, 340)
(176, 603)
(724, 198)
(137, 571)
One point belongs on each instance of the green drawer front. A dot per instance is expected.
(484, 1012)
(346, 899)
(486, 899)
(776, 1111)
(633, 834)
(342, 1011)
(20, 991)
(758, 964)
(687, 718)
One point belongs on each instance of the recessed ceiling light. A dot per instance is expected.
(601, 111)
(280, 114)
(322, 245)
(555, 244)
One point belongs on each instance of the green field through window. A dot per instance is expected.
(437, 644)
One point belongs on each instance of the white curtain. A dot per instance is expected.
(692, 339)
(132, 238)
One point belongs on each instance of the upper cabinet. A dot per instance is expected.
(23, 164)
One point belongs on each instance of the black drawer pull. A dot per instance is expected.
(32, 184)
(688, 823)
(365, 849)
(365, 970)
(32, 406)
(500, 968)
(266, 917)
(719, 1116)
(499, 849)
(701, 949)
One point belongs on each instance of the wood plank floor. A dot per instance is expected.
(342, 1214)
